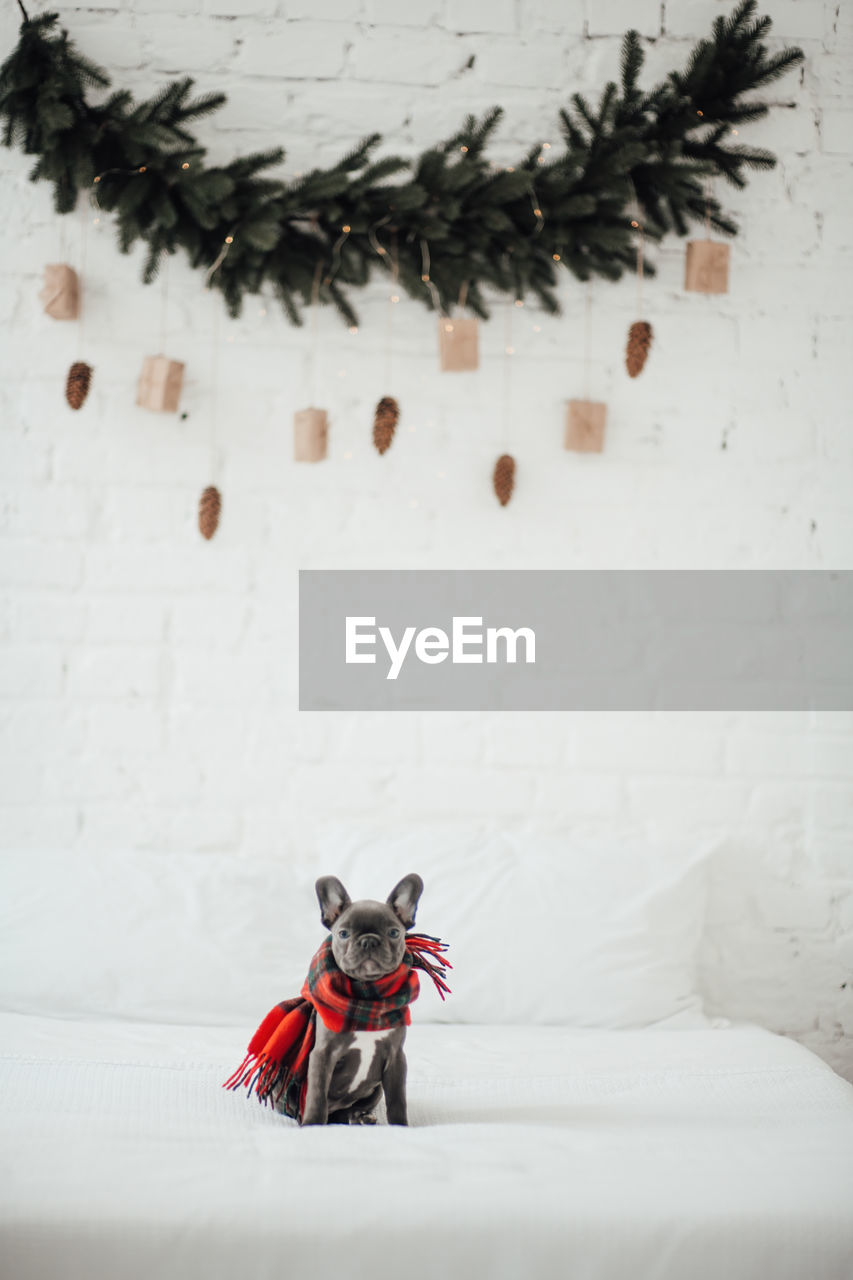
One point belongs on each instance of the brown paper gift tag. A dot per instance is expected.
(585, 422)
(310, 435)
(706, 267)
(458, 343)
(61, 291)
(159, 385)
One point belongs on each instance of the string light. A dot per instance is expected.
(425, 279)
(511, 169)
(229, 239)
(546, 146)
(556, 257)
(734, 130)
(510, 351)
(448, 328)
(353, 328)
(634, 222)
(346, 228)
(463, 148)
(142, 168)
(537, 213)
(98, 179)
(519, 302)
(700, 113)
(395, 297)
(185, 165)
(537, 328)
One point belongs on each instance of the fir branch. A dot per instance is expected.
(511, 230)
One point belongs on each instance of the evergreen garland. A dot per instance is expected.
(453, 222)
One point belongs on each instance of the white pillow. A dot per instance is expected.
(202, 938)
(545, 926)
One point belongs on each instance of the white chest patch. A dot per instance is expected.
(366, 1042)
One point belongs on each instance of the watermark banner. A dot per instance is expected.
(569, 640)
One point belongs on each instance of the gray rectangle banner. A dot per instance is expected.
(574, 640)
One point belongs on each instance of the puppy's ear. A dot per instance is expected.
(333, 899)
(403, 898)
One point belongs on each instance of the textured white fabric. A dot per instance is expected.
(544, 926)
(539, 1152)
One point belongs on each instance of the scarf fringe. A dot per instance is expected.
(427, 954)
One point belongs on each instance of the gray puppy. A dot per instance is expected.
(348, 1071)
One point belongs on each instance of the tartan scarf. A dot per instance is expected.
(276, 1065)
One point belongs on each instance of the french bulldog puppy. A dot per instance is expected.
(348, 1071)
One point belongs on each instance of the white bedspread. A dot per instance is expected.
(540, 1153)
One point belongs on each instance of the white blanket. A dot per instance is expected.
(637, 1155)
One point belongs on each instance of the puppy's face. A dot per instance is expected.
(368, 937)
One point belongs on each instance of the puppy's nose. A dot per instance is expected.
(368, 942)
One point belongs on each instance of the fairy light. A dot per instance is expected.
(510, 351)
(556, 257)
(546, 146)
(425, 278)
(537, 213)
(519, 302)
(395, 297)
(229, 239)
(700, 113)
(185, 165)
(537, 328)
(448, 328)
(511, 169)
(142, 168)
(346, 228)
(98, 179)
(634, 222)
(463, 149)
(353, 328)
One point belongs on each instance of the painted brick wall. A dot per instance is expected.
(148, 680)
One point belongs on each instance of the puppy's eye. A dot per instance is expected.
(393, 933)
(343, 933)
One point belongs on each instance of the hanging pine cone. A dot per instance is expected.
(209, 507)
(503, 479)
(77, 383)
(385, 423)
(639, 342)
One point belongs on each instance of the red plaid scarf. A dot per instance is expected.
(276, 1066)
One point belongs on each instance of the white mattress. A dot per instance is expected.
(542, 1152)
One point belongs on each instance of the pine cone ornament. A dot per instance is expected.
(385, 423)
(209, 507)
(639, 343)
(503, 479)
(78, 383)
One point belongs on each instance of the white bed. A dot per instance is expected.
(532, 1152)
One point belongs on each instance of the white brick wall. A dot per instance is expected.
(148, 680)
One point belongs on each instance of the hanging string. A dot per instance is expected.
(215, 448)
(708, 208)
(83, 292)
(315, 339)
(392, 300)
(164, 299)
(587, 339)
(509, 352)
